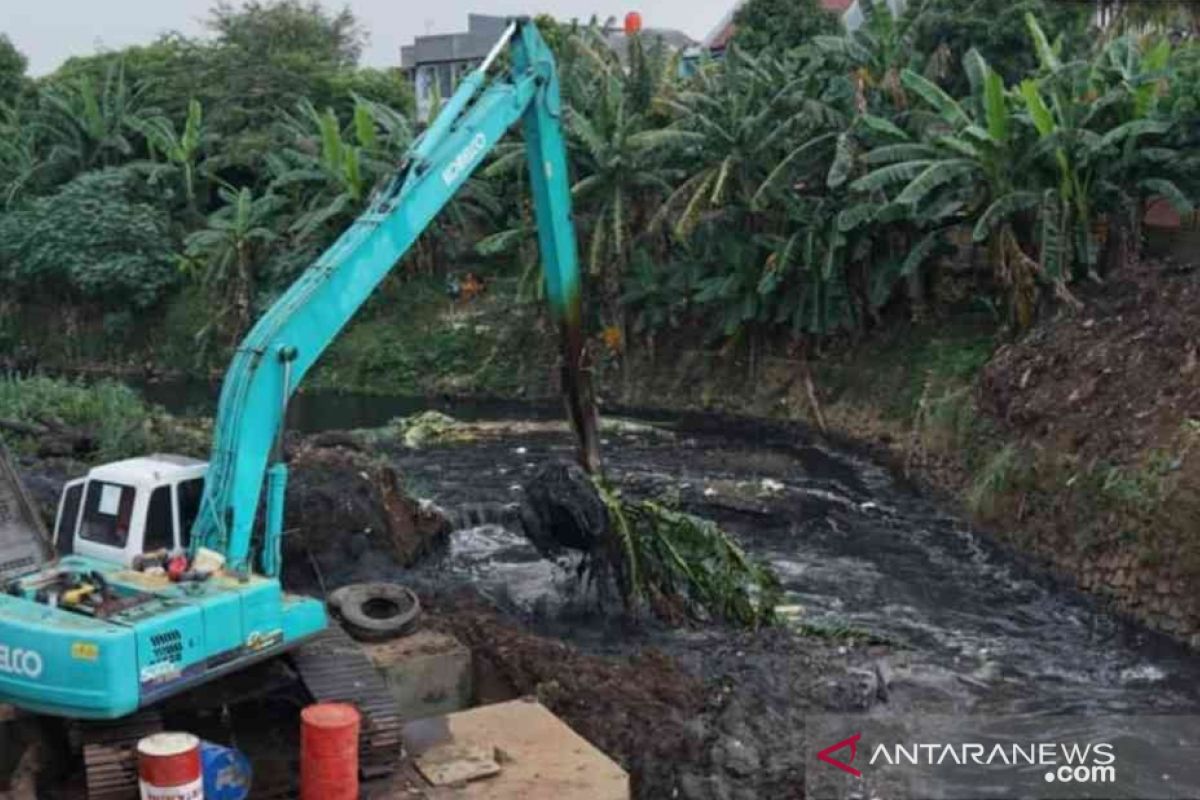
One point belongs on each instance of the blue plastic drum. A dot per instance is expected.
(227, 773)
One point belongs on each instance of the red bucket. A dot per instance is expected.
(329, 752)
(169, 767)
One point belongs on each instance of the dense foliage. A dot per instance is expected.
(764, 26)
(804, 186)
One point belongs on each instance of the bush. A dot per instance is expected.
(95, 240)
(122, 424)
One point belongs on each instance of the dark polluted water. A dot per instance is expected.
(971, 628)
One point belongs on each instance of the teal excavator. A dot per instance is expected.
(170, 581)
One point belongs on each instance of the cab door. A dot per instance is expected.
(66, 521)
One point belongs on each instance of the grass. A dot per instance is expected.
(998, 476)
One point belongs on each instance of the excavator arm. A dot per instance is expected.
(285, 343)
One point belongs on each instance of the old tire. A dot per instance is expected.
(376, 611)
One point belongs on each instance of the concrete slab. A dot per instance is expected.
(428, 673)
(540, 757)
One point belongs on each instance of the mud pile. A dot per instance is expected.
(728, 724)
(349, 518)
(1111, 381)
(1103, 408)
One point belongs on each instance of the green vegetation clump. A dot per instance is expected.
(113, 419)
(685, 566)
(803, 189)
(429, 427)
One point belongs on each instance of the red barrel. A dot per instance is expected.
(329, 752)
(169, 767)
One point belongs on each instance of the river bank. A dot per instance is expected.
(1073, 444)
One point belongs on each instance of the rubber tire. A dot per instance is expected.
(350, 604)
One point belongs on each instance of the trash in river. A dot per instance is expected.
(429, 427)
(681, 565)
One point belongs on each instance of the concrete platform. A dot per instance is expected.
(540, 757)
(428, 673)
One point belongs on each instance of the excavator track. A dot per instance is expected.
(110, 754)
(334, 669)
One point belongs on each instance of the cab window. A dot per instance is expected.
(160, 524)
(67, 516)
(189, 506)
(107, 512)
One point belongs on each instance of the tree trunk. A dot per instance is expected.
(242, 299)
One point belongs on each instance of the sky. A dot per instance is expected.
(50, 31)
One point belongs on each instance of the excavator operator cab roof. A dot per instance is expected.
(151, 470)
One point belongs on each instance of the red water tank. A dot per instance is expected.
(633, 23)
(329, 752)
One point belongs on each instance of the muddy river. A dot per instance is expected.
(965, 627)
(855, 547)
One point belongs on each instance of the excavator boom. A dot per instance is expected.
(118, 625)
(290, 337)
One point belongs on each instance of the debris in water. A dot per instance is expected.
(429, 427)
(769, 486)
(681, 565)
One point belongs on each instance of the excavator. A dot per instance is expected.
(165, 574)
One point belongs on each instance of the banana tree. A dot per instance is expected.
(965, 167)
(738, 125)
(180, 149)
(20, 157)
(87, 127)
(1099, 121)
(225, 254)
(1143, 152)
(324, 164)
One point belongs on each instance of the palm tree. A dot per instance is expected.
(227, 252)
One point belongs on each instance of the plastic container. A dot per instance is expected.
(169, 767)
(329, 752)
(227, 773)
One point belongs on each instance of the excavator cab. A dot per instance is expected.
(123, 510)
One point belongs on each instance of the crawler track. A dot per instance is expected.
(110, 754)
(334, 668)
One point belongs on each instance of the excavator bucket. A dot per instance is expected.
(24, 544)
